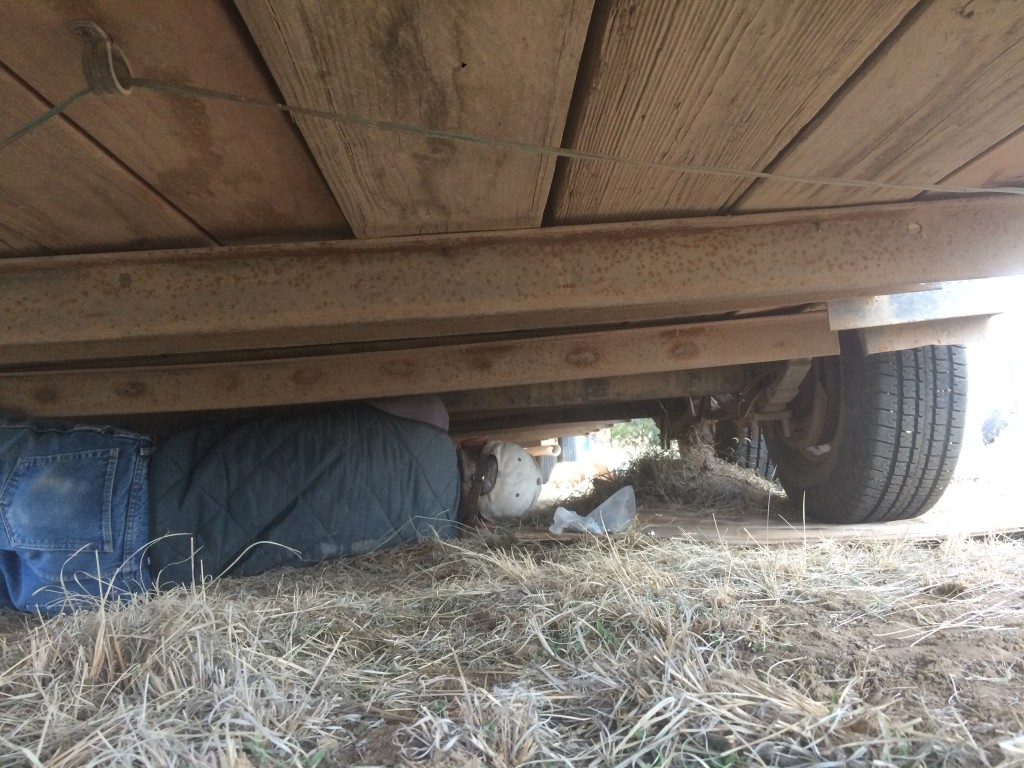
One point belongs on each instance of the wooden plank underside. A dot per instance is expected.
(704, 83)
(264, 297)
(166, 389)
(943, 90)
(1001, 166)
(61, 191)
(502, 69)
(244, 175)
(13, 244)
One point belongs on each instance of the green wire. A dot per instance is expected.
(56, 109)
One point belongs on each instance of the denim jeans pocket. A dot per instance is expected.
(61, 502)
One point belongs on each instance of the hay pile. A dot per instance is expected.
(619, 652)
(692, 480)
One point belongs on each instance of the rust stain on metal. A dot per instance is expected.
(582, 357)
(685, 349)
(131, 390)
(481, 363)
(230, 382)
(307, 376)
(382, 298)
(46, 395)
(631, 351)
(403, 369)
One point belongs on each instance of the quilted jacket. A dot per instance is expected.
(243, 497)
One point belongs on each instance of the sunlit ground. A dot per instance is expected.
(989, 474)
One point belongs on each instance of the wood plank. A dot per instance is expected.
(245, 175)
(175, 388)
(998, 166)
(943, 90)
(63, 192)
(503, 68)
(14, 244)
(705, 83)
(264, 297)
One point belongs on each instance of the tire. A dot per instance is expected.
(898, 426)
(745, 447)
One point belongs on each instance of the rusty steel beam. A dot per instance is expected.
(953, 330)
(609, 389)
(195, 387)
(616, 397)
(540, 431)
(965, 298)
(591, 413)
(63, 308)
(606, 413)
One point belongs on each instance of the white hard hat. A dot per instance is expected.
(517, 485)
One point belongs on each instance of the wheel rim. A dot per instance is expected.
(814, 421)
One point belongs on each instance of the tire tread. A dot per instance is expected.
(904, 425)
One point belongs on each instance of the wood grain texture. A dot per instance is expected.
(945, 89)
(15, 244)
(61, 191)
(500, 68)
(243, 174)
(705, 83)
(999, 166)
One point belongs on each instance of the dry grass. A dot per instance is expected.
(611, 652)
(695, 479)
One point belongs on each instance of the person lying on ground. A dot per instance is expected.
(91, 512)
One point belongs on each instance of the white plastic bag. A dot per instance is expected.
(613, 514)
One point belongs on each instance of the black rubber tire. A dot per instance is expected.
(744, 446)
(899, 433)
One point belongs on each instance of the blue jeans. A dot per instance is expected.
(74, 515)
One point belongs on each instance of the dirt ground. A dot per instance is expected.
(492, 652)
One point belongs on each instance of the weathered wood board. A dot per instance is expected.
(14, 244)
(705, 83)
(942, 91)
(502, 69)
(61, 191)
(1000, 166)
(242, 174)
